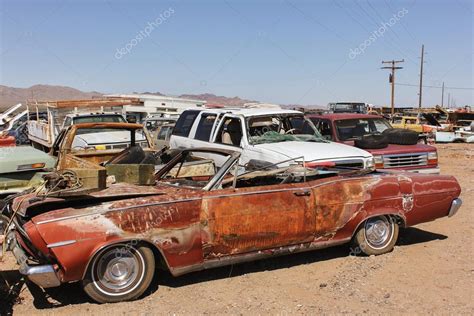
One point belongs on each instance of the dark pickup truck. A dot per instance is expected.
(348, 127)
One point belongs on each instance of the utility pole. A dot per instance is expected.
(421, 77)
(392, 79)
(442, 95)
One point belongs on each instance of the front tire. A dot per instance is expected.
(376, 236)
(119, 273)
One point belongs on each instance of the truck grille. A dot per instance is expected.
(406, 160)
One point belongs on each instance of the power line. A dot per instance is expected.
(437, 87)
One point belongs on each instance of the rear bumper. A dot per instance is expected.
(44, 276)
(455, 205)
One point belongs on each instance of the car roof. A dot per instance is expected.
(251, 112)
(343, 116)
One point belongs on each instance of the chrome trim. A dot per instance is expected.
(61, 243)
(257, 255)
(44, 276)
(455, 205)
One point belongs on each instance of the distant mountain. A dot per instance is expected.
(10, 96)
(213, 99)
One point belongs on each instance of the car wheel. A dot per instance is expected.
(376, 236)
(375, 141)
(120, 273)
(400, 136)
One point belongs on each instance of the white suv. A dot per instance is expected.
(264, 135)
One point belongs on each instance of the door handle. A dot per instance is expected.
(302, 193)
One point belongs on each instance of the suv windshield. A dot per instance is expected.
(355, 128)
(281, 128)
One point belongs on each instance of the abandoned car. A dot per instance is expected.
(199, 216)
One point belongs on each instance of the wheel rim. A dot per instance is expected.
(378, 232)
(118, 270)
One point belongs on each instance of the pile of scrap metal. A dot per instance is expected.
(460, 128)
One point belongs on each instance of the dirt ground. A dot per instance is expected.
(431, 271)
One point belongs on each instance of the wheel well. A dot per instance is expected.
(160, 260)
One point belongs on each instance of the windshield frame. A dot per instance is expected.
(282, 116)
(214, 182)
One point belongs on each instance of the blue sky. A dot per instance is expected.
(284, 51)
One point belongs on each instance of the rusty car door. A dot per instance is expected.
(236, 221)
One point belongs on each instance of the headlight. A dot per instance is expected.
(378, 160)
(433, 158)
(370, 163)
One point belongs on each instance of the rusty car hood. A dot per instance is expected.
(116, 197)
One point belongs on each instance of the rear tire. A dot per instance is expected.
(119, 273)
(376, 236)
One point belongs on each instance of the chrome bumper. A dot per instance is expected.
(426, 170)
(44, 276)
(455, 205)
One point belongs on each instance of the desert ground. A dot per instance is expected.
(431, 271)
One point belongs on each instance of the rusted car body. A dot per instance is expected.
(207, 220)
(71, 155)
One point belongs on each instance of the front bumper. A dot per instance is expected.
(426, 170)
(435, 170)
(44, 276)
(455, 205)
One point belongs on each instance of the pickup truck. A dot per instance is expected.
(264, 136)
(346, 128)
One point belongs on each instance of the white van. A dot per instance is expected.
(264, 135)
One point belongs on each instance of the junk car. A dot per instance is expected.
(393, 149)
(199, 216)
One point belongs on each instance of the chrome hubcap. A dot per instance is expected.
(378, 232)
(118, 270)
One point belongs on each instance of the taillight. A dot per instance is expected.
(433, 158)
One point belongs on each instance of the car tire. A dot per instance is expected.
(376, 141)
(401, 136)
(119, 273)
(376, 236)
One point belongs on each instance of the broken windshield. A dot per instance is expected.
(282, 128)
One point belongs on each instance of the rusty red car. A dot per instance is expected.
(198, 216)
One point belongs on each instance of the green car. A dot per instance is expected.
(21, 168)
